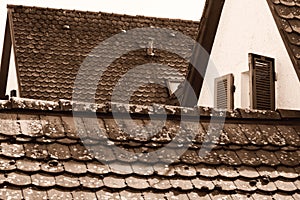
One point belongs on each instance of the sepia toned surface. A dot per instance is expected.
(42, 156)
(51, 45)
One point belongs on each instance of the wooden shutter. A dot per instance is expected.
(262, 82)
(224, 89)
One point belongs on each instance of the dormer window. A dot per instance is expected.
(262, 82)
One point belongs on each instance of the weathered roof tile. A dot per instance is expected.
(43, 180)
(272, 134)
(97, 168)
(30, 125)
(36, 151)
(241, 197)
(153, 196)
(245, 185)
(32, 193)
(82, 195)
(79, 152)
(107, 195)
(67, 181)
(254, 134)
(58, 194)
(52, 126)
(91, 181)
(290, 135)
(267, 172)
(58, 151)
(11, 193)
(142, 169)
(71, 129)
(12, 150)
(248, 157)
(185, 170)
(247, 172)
(7, 164)
(114, 182)
(285, 185)
(229, 157)
(164, 170)
(159, 183)
(287, 158)
(225, 185)
(75, 167)
(52, 166)
(9, 125)
(206, 170)
(216, 196)
(125, 194)
(266, 185)
(287, 172)
(176, 196)
(20, 179)
(203, 183)
(267, 157)
(182, 184)
(227, 171)
(198, 195)
(137, 183)
(235, 134)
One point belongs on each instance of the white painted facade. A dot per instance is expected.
(12, 80)
(247, 26)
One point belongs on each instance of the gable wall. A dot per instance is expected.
(12, 81)
(248, 27)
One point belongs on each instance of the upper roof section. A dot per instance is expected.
(51, 44)
(287, 17)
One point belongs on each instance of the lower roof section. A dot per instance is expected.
(47, 153)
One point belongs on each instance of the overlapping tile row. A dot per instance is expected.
(53, 44)
(43, 155)
(287, 15)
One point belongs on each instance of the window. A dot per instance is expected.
(262, 82)
(224, 90)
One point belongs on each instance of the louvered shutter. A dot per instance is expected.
(224, 89)
(262, 76)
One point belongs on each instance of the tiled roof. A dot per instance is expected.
(287, 17)
(42, 157)
(51, 44)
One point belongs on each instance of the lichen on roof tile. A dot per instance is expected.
(137, 182)
(43, 180)
(12, 150)
(54, 194)
(52, 166)
(11, 193)
(32, 193)
(114, 182)
(19, 179)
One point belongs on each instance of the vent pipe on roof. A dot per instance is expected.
(150, 48)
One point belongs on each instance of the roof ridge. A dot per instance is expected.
(11, 6)
(68, 106)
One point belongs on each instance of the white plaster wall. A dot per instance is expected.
(12, 81)
(247, 26)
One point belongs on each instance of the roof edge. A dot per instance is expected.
(208, 28)
(296, 64)
(23, 104)
(12, 6)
